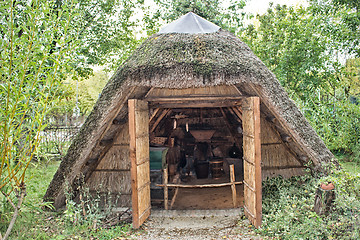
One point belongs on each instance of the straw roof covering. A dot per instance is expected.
(182, 60)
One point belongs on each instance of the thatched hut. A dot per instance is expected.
(192, 75)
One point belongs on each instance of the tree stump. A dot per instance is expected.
(324, 198)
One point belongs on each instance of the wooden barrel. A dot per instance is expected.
(216, 167)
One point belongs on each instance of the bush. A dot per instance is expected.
(288, 208)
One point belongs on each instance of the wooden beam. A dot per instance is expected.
(158, 120)
(237, 112)
(231, 129)
(237, 118)
(194, 104)
(194, 98)
(154, 114)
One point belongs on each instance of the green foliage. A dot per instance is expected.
(302, 47)
(290, 42)
(105, 31)
(228, 17)
(30, 69)
(34, 222)
(288, 208)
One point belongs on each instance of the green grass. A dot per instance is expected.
(37, 222)
(351, 167)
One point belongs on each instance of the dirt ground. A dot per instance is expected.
(196, 225)
(204, 198)
(208, 198)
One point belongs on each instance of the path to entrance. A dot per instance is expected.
(196, 225)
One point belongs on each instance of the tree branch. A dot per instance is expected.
(20, 196)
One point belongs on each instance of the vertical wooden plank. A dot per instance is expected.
(252, 160)
(233, 187)
(139, 156)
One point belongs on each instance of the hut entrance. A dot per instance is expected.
(196, 157)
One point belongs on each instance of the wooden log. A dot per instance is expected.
(233, 187)
(199, 185)
(324, 198)
(166, 189)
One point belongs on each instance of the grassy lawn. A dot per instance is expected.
(351, 167)
(34, 222)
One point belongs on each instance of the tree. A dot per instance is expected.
(227, 17)
(304, 47)
(343, 17)
(291, 43)
(37, 47)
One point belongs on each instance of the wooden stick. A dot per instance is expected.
(166, 192)
(233, 187)
(199, 186)
(174, 197)
(238, 119)
(237, 112)
(154, 114)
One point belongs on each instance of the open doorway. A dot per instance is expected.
(196, 146)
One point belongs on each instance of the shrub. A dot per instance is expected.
(288, 208)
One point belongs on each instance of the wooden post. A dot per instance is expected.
(166, 191)
(233, 187)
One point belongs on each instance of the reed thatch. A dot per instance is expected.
(181, 60)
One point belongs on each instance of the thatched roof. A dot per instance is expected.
(183, 60)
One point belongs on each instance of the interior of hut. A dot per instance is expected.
(196, 146)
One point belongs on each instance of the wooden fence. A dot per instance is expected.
(57, 139)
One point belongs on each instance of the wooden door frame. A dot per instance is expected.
(255, 216)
